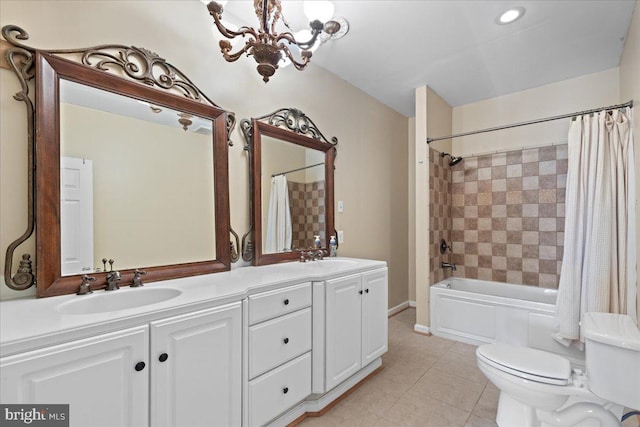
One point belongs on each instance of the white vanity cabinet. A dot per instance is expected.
(196, 363)
(104, 379)
(354, 315)
(186, 369)
(278, 352)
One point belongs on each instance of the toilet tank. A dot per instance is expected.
(612, 358)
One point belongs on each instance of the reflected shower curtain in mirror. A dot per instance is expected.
(599, 265)
(279, 218)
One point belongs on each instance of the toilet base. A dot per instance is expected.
(512, 413)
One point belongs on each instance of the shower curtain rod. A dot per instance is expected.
(296, 170)
(532, 122)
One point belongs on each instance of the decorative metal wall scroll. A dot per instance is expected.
(135, 63)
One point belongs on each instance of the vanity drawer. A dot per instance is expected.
(278, 390)
(268, 305)
(276, 341)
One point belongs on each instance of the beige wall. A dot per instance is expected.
(630, 89)
(371, 168)
(568, 96)
(433, 117)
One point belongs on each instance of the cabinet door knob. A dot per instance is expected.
(286, 301)
(140, 366)
(285, 390)
(360, 292)
(286, 340)
(163, 357)
(366, 290)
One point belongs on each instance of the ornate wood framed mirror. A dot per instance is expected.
(130, 167)
(292, 200)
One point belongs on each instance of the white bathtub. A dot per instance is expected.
(478, 312)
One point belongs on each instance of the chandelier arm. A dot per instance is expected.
(230, 34)
(232, 57)
(316, 29)
(299, 65)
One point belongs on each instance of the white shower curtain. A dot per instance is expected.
(279, 218)
(599, 264)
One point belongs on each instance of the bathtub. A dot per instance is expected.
(478, 312)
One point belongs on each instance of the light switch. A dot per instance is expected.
(340, 206)
(340, 237)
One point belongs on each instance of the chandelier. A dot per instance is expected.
(269, 48)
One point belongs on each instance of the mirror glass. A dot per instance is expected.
(136, 182)
(293, 196)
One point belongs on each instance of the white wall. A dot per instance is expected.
(371, 167)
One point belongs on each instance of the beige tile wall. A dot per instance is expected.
(306, 201)
(440, 214)
(507, 214)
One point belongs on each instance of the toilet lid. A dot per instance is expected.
(528, 363)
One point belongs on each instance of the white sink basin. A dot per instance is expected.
(122, 299)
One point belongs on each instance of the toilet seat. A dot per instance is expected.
(527, 363)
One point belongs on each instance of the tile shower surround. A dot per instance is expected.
(306, 202)
(507, 216)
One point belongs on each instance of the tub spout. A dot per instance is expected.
(452, 266)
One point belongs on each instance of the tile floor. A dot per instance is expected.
(426, 382)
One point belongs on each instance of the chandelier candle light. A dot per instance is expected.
(270, 48)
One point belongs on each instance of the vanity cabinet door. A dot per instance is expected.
(374, 315)
(196, 368)
(343, 329)
(104, 379)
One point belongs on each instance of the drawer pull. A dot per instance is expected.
(286, 301)
(163, 357)
(139, 366)
(286, 340)
(285, 390)
(360, 292)
(366, 290)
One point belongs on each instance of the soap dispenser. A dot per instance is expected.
(317, 242)
(333, 247)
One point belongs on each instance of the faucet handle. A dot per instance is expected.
(85, 286)
(137, 279)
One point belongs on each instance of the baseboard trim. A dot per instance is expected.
(413, 304)
(421, 329)
(398, 308)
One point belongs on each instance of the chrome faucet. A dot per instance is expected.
(311, 255)
(112, 281)
(85, 286)
(137, 279)
(452, 266)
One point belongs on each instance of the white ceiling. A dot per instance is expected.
(457, 49)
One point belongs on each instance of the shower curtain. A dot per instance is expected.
(599, 264)
(279, 218)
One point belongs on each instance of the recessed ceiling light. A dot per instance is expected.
(510, 16)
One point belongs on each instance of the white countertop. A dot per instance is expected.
(31, 323)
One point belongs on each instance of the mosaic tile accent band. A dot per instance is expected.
(306, 202)
(508, 214)
(440, 215)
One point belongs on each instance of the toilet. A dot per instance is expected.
(541, 389)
